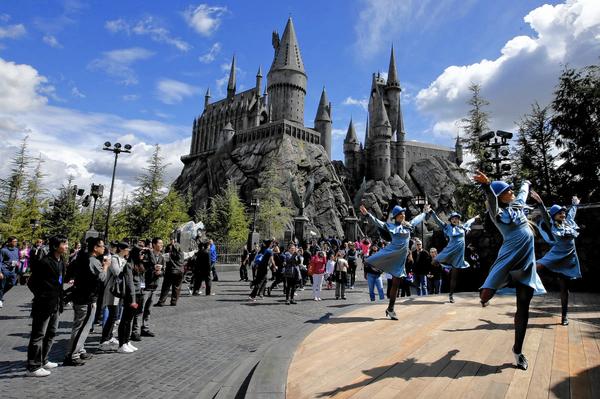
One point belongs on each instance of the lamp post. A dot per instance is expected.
(496, 153)
(421, 201)
(116, 149)
(253, 236)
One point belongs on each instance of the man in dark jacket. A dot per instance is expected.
(154, 266)
(46, 283)
(201, 267)
(421, 267)
(8, 266)
(262, 269)
(173, 274)
(89, 274)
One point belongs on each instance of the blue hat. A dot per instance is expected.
(498, 187)
(454, 214)
(554, 209)
(397, 209)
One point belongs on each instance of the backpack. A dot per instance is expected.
(258, 259)
(119, 286)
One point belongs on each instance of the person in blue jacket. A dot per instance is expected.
(392, 258)
(453, 255)
(516, 258)
(562, 258)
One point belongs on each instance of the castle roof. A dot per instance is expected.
(392, 79)
(287, 53)
(231, 83)
(351, 134)
(323, 112)
(412, 143)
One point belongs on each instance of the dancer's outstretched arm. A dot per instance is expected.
(436, 219)
(573, 210)
(523, 193)
(469, 223)
(421, 217)
(372, 218)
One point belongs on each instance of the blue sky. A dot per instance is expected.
(75, 73)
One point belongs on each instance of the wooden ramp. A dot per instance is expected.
(443, 350)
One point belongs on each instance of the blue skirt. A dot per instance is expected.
(562, 258)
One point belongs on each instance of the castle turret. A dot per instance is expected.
(352, 151)
(379, 153)
(392, 92)
(458, 148)
(231, 83)
(287, 78)
(193, 146)
(227, 133)
(258, 80)
(207, 98)
(323, 122)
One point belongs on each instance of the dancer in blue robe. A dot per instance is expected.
(562, 258)
(392, 258)
(453, 255)
(516, 258)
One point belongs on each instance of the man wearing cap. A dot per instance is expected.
(516, 258)
(392, 258)
(453, 255)
(562, 258)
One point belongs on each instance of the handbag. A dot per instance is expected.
(118, 287)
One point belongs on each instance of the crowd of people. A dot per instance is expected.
(120, 283)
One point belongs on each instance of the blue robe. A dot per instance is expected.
(562, 257)
(453, 255)
(516, 257)
(392, 258)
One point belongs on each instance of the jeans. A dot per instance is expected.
(110, 323)
(437, 286)
(213, 269)
(43, 330)
(316, 287)
(340, 284)
(148, 297)
(9, 281)
(259, 283)
(244, 272)
(83, 318)
(198, 279)
(125, 324)
(374, 280)
(352, 273)
(421, 284)
(290, 288)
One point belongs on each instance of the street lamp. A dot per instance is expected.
(496, 153)
(253, 235)
(34, 223)
(420, 201)
(116, 149)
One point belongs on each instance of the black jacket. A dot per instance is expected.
(201, 263)
(46, 283)
(422, 262)
(153, 280)
(175, 263)
(89, 276)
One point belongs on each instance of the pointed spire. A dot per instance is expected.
(287, 53)
(400, 125)
(259, 73)
(351, 134)
(207, 97)
(392, 72)
(380, 116)
(367, 132)
(324, 111)
(231, 83)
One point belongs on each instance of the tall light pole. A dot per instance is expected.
(496, 153)
(116, 149)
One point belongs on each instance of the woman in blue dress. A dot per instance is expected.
(453, 255)
(516, 258)
(392, 258)
(562, 258)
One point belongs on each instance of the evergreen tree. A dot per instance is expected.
(474, 125)
(576, 120)
(226, 220)
(11, 188)
(64, 216)
(536, 151)
(273, 216)
(31, 205)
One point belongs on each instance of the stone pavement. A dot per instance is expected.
(202, 344)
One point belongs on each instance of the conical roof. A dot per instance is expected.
(323, 110)
(231, 83)
(392, 79)
(287, 55)
(351, 134)
(228, 127)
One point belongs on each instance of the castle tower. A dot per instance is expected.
(458, 148)
(231, 83)
(286, 78)
(258, 81)
(392, 92)
(323, 122)
(379, 153)
(193, 146)
(352, 151)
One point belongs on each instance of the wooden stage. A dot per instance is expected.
(442, 350)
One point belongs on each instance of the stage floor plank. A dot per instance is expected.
(442, 350)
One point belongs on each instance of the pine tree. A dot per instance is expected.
(237, 226)
(576, 120)
(11, 188)
(536, 151)
(474, 125)
(273, 216)
(64, 216)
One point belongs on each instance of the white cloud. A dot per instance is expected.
(204, 19)
(526, 69)
(148, 26)
(51, 41)
(117, 63)
(12, 31)
(171, 91)
(363, 103)
(77, 93)
(211, 54)
(21, 87)
(379, 21)
(338, 133)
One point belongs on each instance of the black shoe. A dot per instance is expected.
(86, 356)
(173, 304)
(293, 302)
(195, 293)
(269, 291)
(147, 333)
(135, 337)
(451, 298)
(391, 314)
(73, 362)
(565, 321)
(344, 298)
(287, 302)
(158, 304)
(521, 361)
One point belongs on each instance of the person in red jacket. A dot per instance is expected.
(317, 266)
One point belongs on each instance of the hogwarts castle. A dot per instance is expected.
(254, 138)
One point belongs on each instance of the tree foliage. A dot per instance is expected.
(273, 216)
(11, 188)
(226, 219)
(474, 125)
(576, 121)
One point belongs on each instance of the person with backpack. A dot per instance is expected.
(392, 258)
(88, 274)
(264, 261)
(46, 284)
(114, 279)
